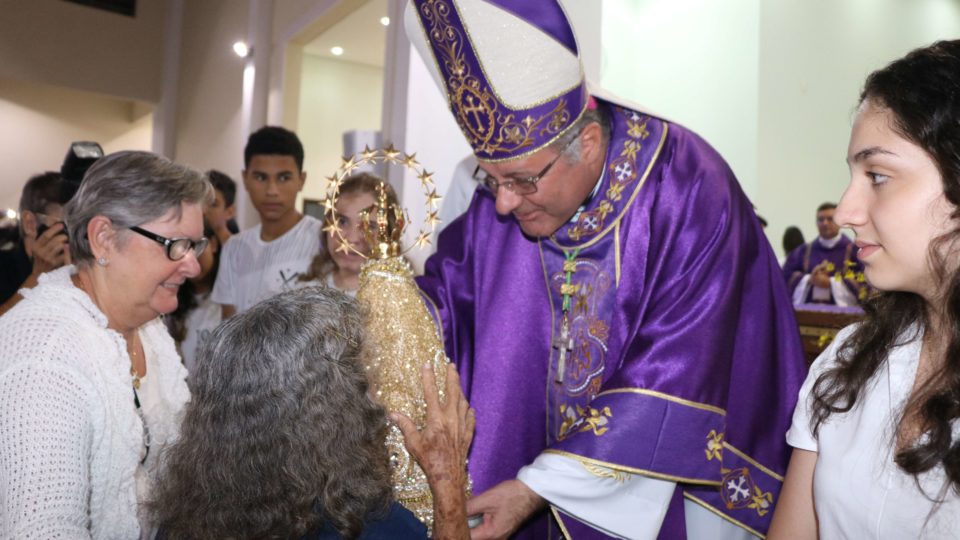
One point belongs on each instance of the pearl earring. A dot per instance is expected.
(102, 261)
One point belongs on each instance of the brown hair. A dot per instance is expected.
(322, 264)
(920, 90)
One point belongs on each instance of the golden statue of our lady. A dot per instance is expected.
(399, 334)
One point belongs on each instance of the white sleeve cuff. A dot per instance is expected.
(842, 296)
(801, 290)
(617, 503)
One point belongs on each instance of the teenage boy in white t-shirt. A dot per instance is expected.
(265, 260)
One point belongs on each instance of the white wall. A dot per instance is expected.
(74, 46)
(210, 88)
(771, 85)
(693, 62)
(335, 96)
(814, 58)
(38, 122)
(59, 65)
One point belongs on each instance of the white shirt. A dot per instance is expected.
(252, 270)
(200, 322)
(325, 282)
(858, 490)
(71, 440)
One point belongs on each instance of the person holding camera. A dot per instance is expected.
(91, 385)
(43, 241)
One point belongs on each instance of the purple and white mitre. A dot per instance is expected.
(510, 69)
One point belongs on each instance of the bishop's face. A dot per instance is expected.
(560, 191)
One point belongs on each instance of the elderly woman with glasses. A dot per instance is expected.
(91, 385)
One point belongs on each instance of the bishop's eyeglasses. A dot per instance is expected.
(177, 248)
(520, 186)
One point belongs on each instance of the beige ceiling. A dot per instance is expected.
(360, 33)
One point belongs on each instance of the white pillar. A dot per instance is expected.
(256, 89)
(163, 139)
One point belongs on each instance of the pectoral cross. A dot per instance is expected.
(564, 344)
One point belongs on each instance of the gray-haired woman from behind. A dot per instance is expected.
(91, 385)
(282, 440)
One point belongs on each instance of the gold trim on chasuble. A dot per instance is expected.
(468, 94)
(614, 192)
(635, 470)
(668, 397)
(563, 528)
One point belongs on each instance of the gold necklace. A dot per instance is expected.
(133, 357)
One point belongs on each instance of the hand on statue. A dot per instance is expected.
(505, 507)
(50, 250)
(440, 449)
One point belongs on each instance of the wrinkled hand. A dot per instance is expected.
(505, 507)
(441, 446)
(440, 449)
(50, 250)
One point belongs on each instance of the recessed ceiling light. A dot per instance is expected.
(241, 49)
(336, 51)
(385, 21)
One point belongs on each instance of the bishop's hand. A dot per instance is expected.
(505, 507)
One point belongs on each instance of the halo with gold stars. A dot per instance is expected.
(389, 156)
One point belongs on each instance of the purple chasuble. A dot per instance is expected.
(842, 256)
(686, 358)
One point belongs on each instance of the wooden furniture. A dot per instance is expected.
(820, 323)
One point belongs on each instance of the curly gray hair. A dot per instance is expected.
(130, 188)
(281, 435)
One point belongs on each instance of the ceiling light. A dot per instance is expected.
(11, 213)
(385, 21)
(241, 49)
(336, 51)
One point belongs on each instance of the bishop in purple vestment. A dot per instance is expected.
(826, 270)
(609, 297)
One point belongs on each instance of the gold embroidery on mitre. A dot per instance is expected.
(475, 106)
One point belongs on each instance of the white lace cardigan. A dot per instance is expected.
(70, 436)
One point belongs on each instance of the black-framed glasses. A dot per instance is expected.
(177, 248)
(520, 186)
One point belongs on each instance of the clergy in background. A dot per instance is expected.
(616, 314)
(826, 270)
